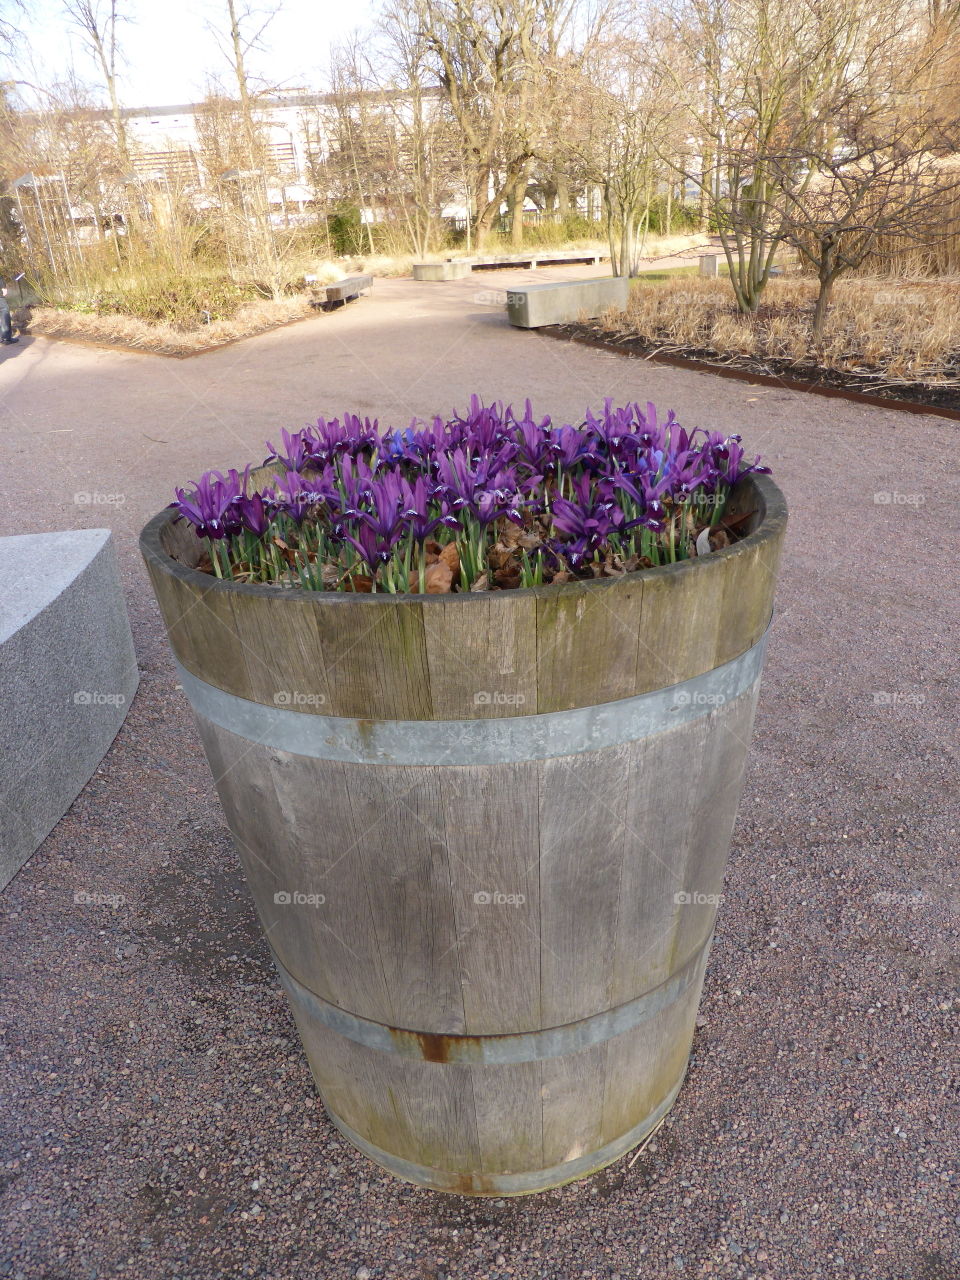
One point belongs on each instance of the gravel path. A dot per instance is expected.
(159, 1118)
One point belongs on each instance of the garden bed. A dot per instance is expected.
(129, 333)
(896, 342)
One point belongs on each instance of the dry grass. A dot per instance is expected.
(901, 331)
(165, 339)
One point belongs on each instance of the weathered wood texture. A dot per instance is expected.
(474, 901)
(474, 656)
(488, 900)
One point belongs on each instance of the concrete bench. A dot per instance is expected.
(453, 269)
(458, 268)
(565, 302)
(539, 258)
(68, 674)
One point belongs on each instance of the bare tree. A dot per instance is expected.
(243, 34)
(766, 83)
(397, 148)
(97, 21)
(481, 55)
(10, 11)
(884, 189)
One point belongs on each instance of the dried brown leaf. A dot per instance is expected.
(500, 555)
(438, 579)
(508, 578)
(450, 556)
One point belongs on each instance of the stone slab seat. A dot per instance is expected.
(455, 269)
(539, 258)
(564, 302)
(343, 291)
(458, 268)
(68, 673)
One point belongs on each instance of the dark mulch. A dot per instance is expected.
(868, 388)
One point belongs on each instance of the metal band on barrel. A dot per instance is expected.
(509, 1184)
(501, 740)
(524, 1046)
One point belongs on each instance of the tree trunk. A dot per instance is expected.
(821, 308)
(517, 195)
(628, 243)
(485, 209)
(705, 192)
(611, 238)
(563, 196)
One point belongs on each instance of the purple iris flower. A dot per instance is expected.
(588, 522)
(373, 548)
(212, 507)
(352, 437)
(298, 452)
(402, 446)
(726, 454)
(415, 503)
(254, 514)
(486, 426)
(617, 470)
(647, 492)
(296, 494)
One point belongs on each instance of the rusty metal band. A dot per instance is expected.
(496, 1050)
(500, 740)
(510, 1184)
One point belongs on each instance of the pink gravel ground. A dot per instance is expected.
(159, 1117)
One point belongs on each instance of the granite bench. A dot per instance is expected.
(68, 673)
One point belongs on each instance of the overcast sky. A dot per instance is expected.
(169, 50)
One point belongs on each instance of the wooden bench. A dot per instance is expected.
(340, 292)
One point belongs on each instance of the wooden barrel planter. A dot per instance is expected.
(486, 834)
